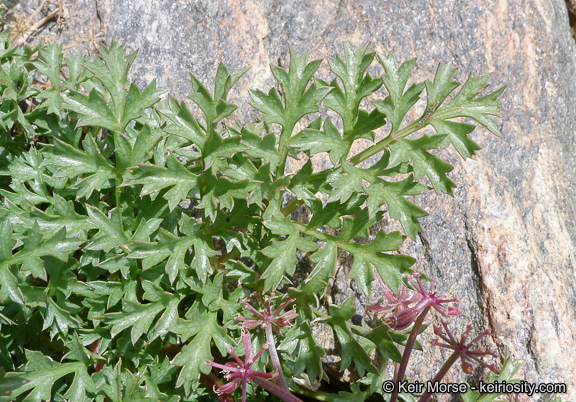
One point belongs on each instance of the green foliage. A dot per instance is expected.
(131, 229)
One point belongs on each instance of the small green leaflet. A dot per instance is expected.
(192, 358)
(397, 104)
(125, 106)
(70, 163)
(345, 185)
(316, 141)
(261, 148)
(10, 383)
(298, 100)
(357, 86)
(141, 316)
(42, 373)
(300, 342)
(155, 178)
(49, 63)
(352, 351)
(467, 103)
(391, 267)
(425, 164)
(175, 249)
(215, 109)
(393, 195)
(283, 253)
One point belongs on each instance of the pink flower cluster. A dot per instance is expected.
(402, 311)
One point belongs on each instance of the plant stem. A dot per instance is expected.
(441, 373)
(228, 256)
(319, 396)
(283, 147)
(292, 206)
(407, 351)
(274, 357)
(380, 145)
(280, 392)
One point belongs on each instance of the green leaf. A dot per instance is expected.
(110, 232)
(169, 246)
(357, 85)
(380, 337)
(283, 254)
(49, 63)
(196, 353)
(467, 103)
(10, 286)
(58, 319)
(397, 103)
(442, 86)
(155, 178)
(222, 191)
(325, 269)
(215, 109)
(390, 267)
(70, 163)
(345, 185)
(175, 249)
(367, 122)
(9, 383)
(299, 99)
(425, 164)
(305, 184)
(331, 213)
(299, 342)
(203, 252)
(6, 241)
(270, 105)
(351, 349)
(42, 373)
(125, 105)
(355, 396)
(457, 135)
(137, 316)
(181, 122)
(393, 195)
(217, 147)
(261, 148)
(315, 141)
(136, 148)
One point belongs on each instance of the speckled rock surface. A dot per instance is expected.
(505, 243)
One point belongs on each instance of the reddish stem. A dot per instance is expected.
(277, 390)
(274, 357)
(443, 370)
(407, 351)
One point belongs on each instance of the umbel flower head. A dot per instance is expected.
(464, 350)
(395, 305)
(427, 299)
(241, 371)
(268, 317)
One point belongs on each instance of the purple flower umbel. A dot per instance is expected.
(403, 318)
(271, 321)
(268, 317)
(241, 371)
(396, 304)
(462, 349)
(428, 298)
